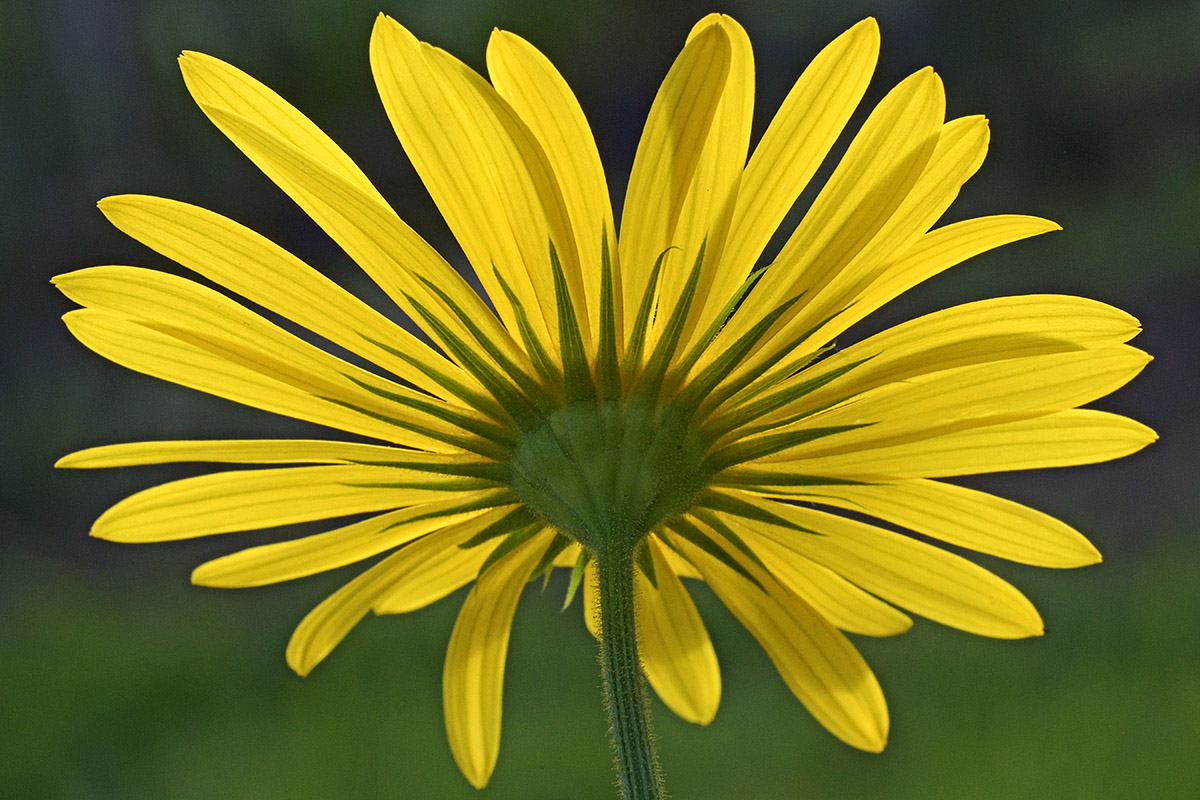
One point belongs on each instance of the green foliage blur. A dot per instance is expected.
(120, 680)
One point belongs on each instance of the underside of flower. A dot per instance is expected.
(641, 404)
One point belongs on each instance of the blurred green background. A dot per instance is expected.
(120, 680)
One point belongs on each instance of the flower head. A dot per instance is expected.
(647, 391)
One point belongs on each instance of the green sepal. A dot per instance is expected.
(608, 371)
(576, 576)
(693, 534)
(490, 471)
(650, 381)
(748, 385)
(641, 323)
(742, 477)
(546, 562)
(528, 385)
(709, 518)
(519, 517)
(577, 375)
(687, 362)
(689, 400)
(452, 485)
(537, 353)
(645, 562)
(507, 545)
(440, 410)
(482, 447)
(736, 506)
(518, 406)
(744, 450)
(756, 409)
(470, 397)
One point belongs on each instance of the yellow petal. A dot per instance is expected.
(923, 579)
(676, 652)
(474, 674)
(302, 161)
(434, 566)
(485, 171)
(966, 518)
(814, 659)
(537, 92)
(667, 158)
(812, 116)
(872, 180)
(219, 249)
(960, 150)
(1062, 439)
(204, 319)
(255, 451)
(327, 624)
(215, 83)
(298, 558)
(839, 601)
(972, 333)
(935, 252)
(591, 599)
(568, 556)
(396, 258)
(966, 397)
(713, 191)
(245, 500)
(323, 628)
(678, 564)
(142, 348)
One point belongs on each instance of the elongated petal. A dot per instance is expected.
(298, 558)
(396, 258)
(213, 82)
(972, 333)
(473, 679)
(812, 116)
(219, 249)
(708, 207)
(839, 601)
(486, 172)
(676, 652)
(202, 318)
(933, 253)
(667, 158)
(327, 624)
(1062, 439)
(591, 599)
(814, 659)
(147, 350)
(872, 180)
(924, 579)
(966, 518)
(306, 165)
(250, 499)
(961, 146)
(260, 451)
(323, 628)
(545, 103)
(971, 396)
(678, 564)
(434, 566)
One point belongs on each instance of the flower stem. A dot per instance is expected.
(624, 686)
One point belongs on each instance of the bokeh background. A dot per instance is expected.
(120, 680)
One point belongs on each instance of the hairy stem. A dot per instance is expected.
(624, 685)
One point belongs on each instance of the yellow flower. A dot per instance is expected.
(654, 388)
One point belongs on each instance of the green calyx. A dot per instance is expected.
(607, 473)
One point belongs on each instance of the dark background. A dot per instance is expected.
(120, 680)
